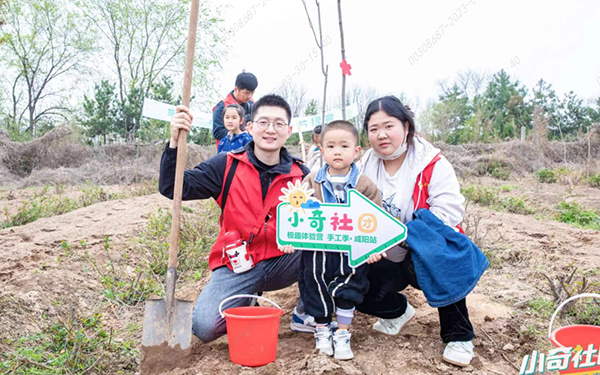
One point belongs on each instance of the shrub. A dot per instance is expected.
(72, 345)
(547, 176)
(481, 195)
(594, 180)
(496, 169)
(199, 230)
(542, 306)
(515, 205)
(572, 213)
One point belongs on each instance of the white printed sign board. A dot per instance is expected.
(162, 111)
(358, 227)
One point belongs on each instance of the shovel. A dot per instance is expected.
(169, 320)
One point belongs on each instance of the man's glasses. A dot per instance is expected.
(277, 125)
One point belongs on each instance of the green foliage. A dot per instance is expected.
(507, 188)
(572, 213)
(585, 313)
(515, 205)
(506, 101)
(494, 168)
(101, 112)
(43, 205)
(486, 196)
(146, 48)
(120, 286)
(542, 306)
(547, 176)
(594, 180)
(312, 108)
(69, 346)
(481, 195)
(45, 43)
(198, 232)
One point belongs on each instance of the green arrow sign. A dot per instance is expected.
(359, 227)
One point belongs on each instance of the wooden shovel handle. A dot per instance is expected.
(182, 138)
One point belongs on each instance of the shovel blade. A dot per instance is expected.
(156, 325)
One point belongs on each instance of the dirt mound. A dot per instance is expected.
(60, 157)
(525, 157)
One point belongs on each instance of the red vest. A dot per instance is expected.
(243, 208)
(421, 191)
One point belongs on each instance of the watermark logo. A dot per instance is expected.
(571, 361)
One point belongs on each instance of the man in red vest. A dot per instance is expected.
(246, 184)
(245, 84)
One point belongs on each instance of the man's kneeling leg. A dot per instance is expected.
(207, 324)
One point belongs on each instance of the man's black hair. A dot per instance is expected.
(246, 81)
(272, 100)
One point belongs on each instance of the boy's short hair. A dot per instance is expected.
(341, 125)
(246, 81)
(272, 100)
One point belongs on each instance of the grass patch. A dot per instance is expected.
(594, 180)
(490, 197)
(199, 230)
(547, 176)
(507, 188)
(572, 213)
(515, 205)
(44, 205)
(542, 306)
(481, 195)
(122, 287)
(69, 346)
(494, 168)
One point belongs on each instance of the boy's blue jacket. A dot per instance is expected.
(328, 194)
(447, 263)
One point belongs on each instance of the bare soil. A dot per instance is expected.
(39, 278)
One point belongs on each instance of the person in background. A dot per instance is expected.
(233, 119)
(314, 159)
(245, 84)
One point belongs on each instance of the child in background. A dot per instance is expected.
(233, 120)
(314, 159)
(329, 284)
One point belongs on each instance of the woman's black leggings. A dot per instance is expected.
(383, 300)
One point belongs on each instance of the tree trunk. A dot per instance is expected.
(343, 59)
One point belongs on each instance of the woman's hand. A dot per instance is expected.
(181, 121)
(287, 249)
(374, 258)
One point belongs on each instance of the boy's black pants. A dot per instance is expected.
(383, 300)
(327, 282)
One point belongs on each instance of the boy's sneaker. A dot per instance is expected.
(341, 344)
(392, 326)
(459, 353)
(306, 323)
(323, 338)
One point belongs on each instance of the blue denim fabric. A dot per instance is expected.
(447, 263)
(328, 194)
(271, 274)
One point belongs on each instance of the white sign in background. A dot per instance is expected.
(161, 111)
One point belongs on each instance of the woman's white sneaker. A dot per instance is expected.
(393, 326)
(459, 353)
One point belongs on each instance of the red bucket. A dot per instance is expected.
(252, 332)
(576, 336)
